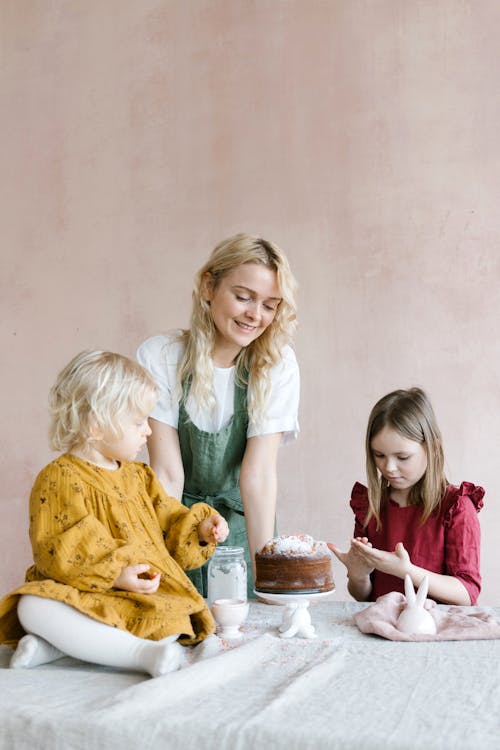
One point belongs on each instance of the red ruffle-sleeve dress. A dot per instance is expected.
(447, 543)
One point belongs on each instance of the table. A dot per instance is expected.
(342, 690)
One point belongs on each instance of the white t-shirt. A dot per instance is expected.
(161, 354)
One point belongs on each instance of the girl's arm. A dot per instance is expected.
(258, 485)
(184, 528)
(165, 457)
(447, 589)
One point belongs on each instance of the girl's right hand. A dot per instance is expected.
(359, 583)
(129, 580)
(356, 565)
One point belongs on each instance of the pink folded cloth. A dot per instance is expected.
(453, 624)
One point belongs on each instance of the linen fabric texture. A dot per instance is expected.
(452, 624)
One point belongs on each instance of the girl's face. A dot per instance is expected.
(135, 429)
(401, 461)
(242, 306)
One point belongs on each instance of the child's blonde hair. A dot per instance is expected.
(94, 392)
(254, 361)
(410, 413)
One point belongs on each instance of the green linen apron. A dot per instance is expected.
(212, 462)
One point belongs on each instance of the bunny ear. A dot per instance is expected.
(409, 590)
(422, 591)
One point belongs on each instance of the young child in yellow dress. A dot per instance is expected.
(109, 545)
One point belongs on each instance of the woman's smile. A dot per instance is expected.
(245, 326)
(242, 305)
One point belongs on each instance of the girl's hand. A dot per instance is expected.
(130, 579)
(358, 567)
(213, 530)
(395, 563)
(359, 582)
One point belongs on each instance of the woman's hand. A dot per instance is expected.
(130, 579)
(213, 530)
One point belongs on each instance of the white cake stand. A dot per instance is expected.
(296, 617)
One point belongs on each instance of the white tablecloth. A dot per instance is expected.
(341, 690)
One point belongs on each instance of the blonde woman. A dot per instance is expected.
(410, 520)
(229, 391)
(109, 546)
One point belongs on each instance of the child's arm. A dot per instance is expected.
(185, 528)
(359, 584)
(445, 588)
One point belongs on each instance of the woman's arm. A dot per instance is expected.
(258, 485)
(165, 457)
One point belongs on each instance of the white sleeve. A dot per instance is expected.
(281, 412)
(160, 355)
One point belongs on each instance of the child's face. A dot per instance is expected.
(401, 461)
(136, 429)
(242, 306)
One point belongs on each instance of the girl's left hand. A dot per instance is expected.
(395, 563)
(213, 530)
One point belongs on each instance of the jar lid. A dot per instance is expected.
(228, 551)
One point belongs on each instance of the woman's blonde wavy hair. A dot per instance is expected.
(255, 361)
(410, 413)
(95, 391)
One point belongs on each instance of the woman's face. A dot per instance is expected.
(401, 461)
(242, 305)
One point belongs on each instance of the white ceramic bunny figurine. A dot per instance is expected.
(414, 618)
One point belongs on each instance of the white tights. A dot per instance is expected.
(55, 629)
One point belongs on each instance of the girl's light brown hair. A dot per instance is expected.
(255, 361)
(410, 413)
(95, 391)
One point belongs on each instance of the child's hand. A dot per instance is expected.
(213, 530)
(130, 579)
(395, 563)
(358, 566)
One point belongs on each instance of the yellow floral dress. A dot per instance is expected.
(86, 524)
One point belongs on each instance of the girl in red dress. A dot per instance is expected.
(410, 519)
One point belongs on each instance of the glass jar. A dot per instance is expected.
(227, 575)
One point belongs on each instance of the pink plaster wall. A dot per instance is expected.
(361, 136)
